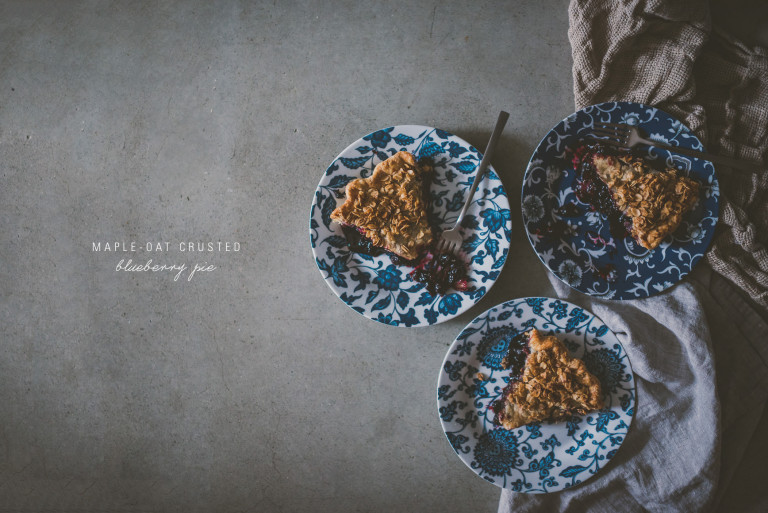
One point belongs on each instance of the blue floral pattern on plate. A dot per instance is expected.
(584, 254)
(374, 286)
(540, 457)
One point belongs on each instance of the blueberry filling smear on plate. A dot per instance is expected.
(546, 383)
(387, 213)
(440, 272)
(641, 202)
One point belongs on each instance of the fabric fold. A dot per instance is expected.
(700, 349)
(670, 458)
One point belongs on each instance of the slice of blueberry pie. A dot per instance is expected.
(645, 203)
(389, 207)
(547, 383)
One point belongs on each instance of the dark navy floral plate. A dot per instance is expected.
(381, 290)
(582, 252)
(539, 457)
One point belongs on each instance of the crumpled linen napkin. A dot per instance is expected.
(664, 53)
(698, 403)
(670, 453)
(698, 350)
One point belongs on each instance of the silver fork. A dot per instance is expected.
(629, 136)
(451, 240)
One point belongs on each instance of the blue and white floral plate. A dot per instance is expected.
(539, 457)
(584, 254)
(374, 286)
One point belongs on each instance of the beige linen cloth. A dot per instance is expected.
(698, 350)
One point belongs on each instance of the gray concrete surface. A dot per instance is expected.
(251, 387)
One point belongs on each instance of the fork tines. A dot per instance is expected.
(446, 246)
(611, 133)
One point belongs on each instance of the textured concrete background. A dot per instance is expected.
(251, 387)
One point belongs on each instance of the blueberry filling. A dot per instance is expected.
(516, 355)
(514, 361)
(569, 210)
(440, 272)
(590, 189)
(359, 243)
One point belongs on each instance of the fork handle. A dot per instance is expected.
(715, 159)
(500, 122)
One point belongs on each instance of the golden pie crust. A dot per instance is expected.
(389, 207)
(553, 385)
(655, 201)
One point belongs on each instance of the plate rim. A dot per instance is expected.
(451, 347)
(509, 224)
(623, 104)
